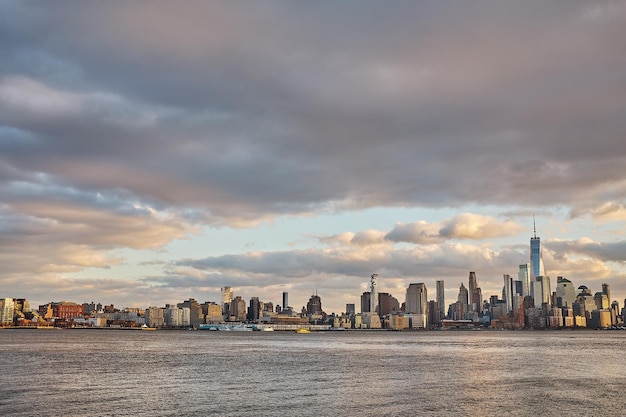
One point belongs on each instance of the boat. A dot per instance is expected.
(302, 330)
(268, 329)
(214, 327)
(144, 327)
(240, 328)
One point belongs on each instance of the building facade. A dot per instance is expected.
(416, 299)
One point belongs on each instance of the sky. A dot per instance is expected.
(152, 152)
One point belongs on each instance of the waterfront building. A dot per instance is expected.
(568, 316)
(441, 297)
(238, 309)
(174, 316)
(212, 312)
(555, 318)
(416, 299)
(600, 319)
(536, 257)
(195, 312)
(523, 275)
(434, 314)
(565, 291)
(398, 321)
(154, 317)
(7, 307)
(61, 310)
(535, 318)
(518, 311)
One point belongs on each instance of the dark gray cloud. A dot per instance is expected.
(603, 251)
(280, 108)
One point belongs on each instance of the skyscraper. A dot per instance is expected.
(540, 288)
(374, 293)
(285, 300)
(565, 291)
(606, 290)
(508, 292)
(254, 309)
(227, 298)
(366, 302)
(314, 306)
(441, 297)
(416, 299)
(471, 289)
(524, 276)
(387, 304)
(536, 258)
(463, 295)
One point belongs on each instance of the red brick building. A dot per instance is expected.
(63, 310)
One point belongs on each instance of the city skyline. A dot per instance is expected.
(155, 153)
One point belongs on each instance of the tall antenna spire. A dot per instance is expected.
(534, 227)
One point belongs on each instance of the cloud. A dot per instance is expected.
(128, 126)
(464, 226)
(274, 118)
(603, 251)
(610, 211)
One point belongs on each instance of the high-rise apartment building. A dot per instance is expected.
(416, 299)
(441, 298)
(7, 306)
(508, 292)
(374, 293)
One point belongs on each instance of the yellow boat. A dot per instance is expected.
(302, 330)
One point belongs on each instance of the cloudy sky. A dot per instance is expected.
(156, 151)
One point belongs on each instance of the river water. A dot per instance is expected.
(352, 373)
